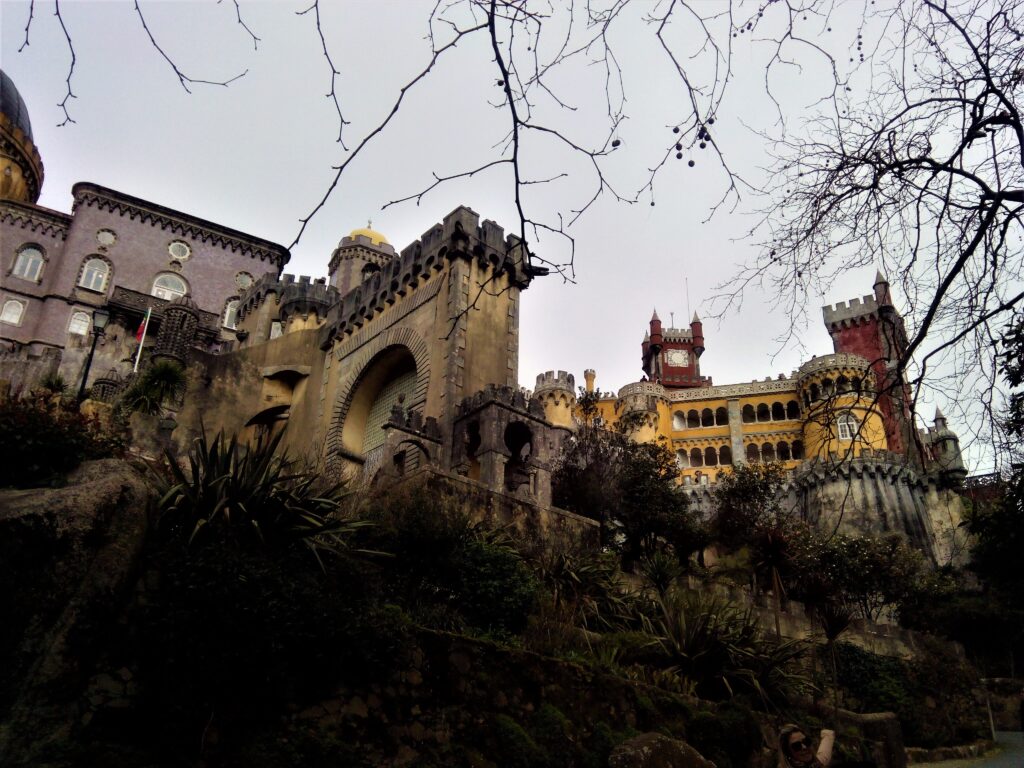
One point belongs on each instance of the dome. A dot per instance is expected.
(372, 235)
(12, 105)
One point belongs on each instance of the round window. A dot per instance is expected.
(179, 250)
(243, 280)
(106, 237)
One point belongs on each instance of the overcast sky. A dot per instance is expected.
(257, 156)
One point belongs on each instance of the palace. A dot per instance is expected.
(406, 360)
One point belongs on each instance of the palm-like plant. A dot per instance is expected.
(251, 490)
(160, 383)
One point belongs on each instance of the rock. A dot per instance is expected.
(655, 750)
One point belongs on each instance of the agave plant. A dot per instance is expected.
(721, 647)
(661, 571)
(253, 491)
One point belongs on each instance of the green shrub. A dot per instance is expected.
(515, 747)
(43, 438)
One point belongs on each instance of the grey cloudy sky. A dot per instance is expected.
(257, 156)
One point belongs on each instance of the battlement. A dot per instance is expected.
(293, 295)
(459, 236)
(838, 361)
(550, 380)
(677, 334)
(516, 399)
(843, 311)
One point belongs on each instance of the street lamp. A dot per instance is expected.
(100, 317)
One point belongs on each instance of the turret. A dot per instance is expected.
(557, 392)
(656, 336)
(589, 376)
(882, 295)
(697, 331)
(945, 451)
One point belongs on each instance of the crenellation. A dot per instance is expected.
(842, 311)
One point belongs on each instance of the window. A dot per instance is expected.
(80, 324)
(94, 275)
(847, 426)
(12, 312)
(678, 421)
(179, 250)
(276, 329)
(29, 264)
(231, 314)
(243, 280)
(169, 287)
(106, 237)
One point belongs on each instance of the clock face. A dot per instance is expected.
(677, 357)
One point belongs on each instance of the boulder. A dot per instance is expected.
(655, 750)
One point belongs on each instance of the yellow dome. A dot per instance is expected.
(374, 237)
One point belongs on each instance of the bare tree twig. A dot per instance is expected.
(28, 24)
(71, 67)
(333, 93)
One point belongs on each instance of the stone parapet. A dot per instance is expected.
(839, 361)
(554, 381)
(846, 311)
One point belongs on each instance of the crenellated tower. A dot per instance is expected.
(872, 328)
(557, 392)
(358, 255)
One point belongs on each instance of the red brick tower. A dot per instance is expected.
(872, 328)
(672, 356)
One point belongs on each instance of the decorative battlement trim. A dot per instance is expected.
(844, 311)
(726, 391)
(677, 334)
(412, 422)
(870, 463)
(838, 361)
(460, 236)
(293, 296)
(516, 399)
(550, 380)
(182, 224)
(38, 220)
(642, 388)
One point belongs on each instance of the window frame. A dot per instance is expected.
(88, 322)
(21, 312)
(237, 302)
(172, 295)
(20, 253)
(847, 427)
(107, 271)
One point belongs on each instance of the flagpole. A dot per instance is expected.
(142, 341)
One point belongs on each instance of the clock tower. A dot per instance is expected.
(671, 356)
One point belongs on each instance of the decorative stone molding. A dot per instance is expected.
(726, 391)
(838, 361)
(35, 219)
(181, 224)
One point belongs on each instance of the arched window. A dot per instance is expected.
(678, 421)
(778, 412)
(846, 426)
(692, 419)
(231, 314)
(725, 455)
(857, 384)
(783, 451)
(80, 324)
(815, 393)
(95, 273)
(753, 455)
(722, 416)
(749, 417)
(169, 287)
(696, 458)
(710, 457)
(797, 450)
(12, 312)
(768, 452)
(792, 410)
(764, 413)
(707, 418)
(682, 459)
(827, 388)
(29, 263)
(842, 384)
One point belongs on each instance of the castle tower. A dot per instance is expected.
(590, 376)
(945, 451)
(178, 328)
(21, 167)
(671, 356)
(841, 418)
(557, 392)
(872, 328)
(361, 253)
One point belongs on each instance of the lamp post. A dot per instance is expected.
(99, 322)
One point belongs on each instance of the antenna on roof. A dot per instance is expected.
(672, 319)
(687, 296)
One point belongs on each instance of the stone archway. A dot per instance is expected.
(392, 353)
